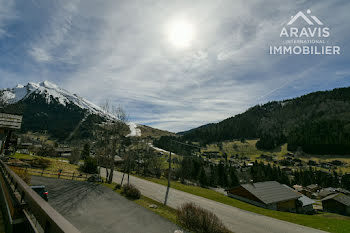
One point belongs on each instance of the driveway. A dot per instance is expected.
(93, 208)
(237, 220)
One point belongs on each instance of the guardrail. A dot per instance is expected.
(24, 210)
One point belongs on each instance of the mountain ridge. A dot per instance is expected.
(317, 122)
(48, 108)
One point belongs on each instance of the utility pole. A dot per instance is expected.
(169, 176)
(169, 172)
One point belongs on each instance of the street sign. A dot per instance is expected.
(9, 121)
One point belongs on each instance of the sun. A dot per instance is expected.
(181, 33)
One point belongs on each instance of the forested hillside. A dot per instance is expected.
(318, 123)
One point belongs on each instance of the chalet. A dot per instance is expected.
(343, 191)
(211, 154)
(64, 151)
(306, 192)
(337, 203)
(269, 195)
(287, 170)
(304, 204)
(323, 193)
(298, 187)
(327, 165)
(313, 187)
(24, 147)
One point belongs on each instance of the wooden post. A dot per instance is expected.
(42, 172)
(169, 176)
(73, 176)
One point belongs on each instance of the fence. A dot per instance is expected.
(24, 210)
(56, 173)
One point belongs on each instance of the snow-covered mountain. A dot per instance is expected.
(58, 110)
(50, 92)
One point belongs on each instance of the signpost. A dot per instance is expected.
(8, 123)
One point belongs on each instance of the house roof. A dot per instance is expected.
(339, 197)
(326, 192)
(271, 192)
(312, 186)
(344, 191)
(298, 187)
(304, 199)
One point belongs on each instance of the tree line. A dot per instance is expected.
(317, 123)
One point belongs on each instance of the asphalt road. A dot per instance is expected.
(93, 208)
(237, 220)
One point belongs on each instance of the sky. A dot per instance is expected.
(172, 65)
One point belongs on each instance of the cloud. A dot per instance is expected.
(40, 55)
(343, 73)
(119, 50)
(7, 14)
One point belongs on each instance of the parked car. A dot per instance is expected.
(40, 189)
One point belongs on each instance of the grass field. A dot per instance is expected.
(248, 149)
(325, 221)
(55, 165)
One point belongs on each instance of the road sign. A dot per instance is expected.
(9, 121)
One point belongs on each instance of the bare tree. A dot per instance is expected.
(111, 136)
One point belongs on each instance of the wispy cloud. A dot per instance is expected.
(7, 13)
(119, 50)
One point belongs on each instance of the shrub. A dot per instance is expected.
(47, 151)
(199, 220)
(22, 173)
(117, 186)
(89, 166)
(40, 163)
(131, 191)
(74, 157)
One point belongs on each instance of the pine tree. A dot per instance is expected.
(86, 151)
(203, 181)
(233, 178)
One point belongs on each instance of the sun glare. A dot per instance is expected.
(181, 34)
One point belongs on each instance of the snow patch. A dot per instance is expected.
(134, 131)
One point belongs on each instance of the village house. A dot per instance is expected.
(323, 193)
(337, 203)
(313, 188)
(307, 193)
(64, 151)
(269, 195)
(304, 204)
